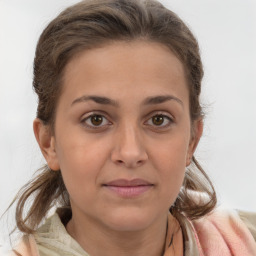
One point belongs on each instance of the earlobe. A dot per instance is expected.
(46, 143)
(197, 131)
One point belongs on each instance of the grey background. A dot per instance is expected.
(226, 32)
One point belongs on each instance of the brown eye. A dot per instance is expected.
(96, 120)
(158, 120)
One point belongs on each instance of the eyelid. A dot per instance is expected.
(150, 116)
(165, 115)
(94, 113)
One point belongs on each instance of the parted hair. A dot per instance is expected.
(87, 25)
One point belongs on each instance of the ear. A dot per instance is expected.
(46, 142)
(196, 133)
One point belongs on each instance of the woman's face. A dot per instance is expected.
(123, 133)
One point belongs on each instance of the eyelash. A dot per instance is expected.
(83, 121)
(166, 117)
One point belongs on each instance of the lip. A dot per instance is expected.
(128, 183)
(128, 188)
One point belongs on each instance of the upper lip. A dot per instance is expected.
(128, 183)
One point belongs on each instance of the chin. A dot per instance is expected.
(129, 219)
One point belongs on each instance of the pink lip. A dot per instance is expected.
(129, 188)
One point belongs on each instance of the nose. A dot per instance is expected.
(129, 149)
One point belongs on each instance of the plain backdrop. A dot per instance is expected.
(226, 32)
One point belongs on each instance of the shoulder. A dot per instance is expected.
(249, 219)
(227, 231)
(26, 247)
(29, 244)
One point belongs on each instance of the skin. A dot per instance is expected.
(128, 144)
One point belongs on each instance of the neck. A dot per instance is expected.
(89, 234)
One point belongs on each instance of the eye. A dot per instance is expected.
(95, 121)
(160, 120)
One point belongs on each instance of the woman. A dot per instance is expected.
(118, 123)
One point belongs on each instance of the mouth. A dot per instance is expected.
(128, 188)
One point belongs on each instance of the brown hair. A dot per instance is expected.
(90, 24)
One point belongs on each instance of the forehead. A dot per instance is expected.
(120, 68)
(145, 54)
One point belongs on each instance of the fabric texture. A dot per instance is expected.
(221, 233)
(224, 233)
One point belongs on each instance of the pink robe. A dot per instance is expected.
(221, 233)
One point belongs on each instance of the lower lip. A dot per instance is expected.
(130, 191)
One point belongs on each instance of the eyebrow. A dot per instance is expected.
(107, 101)
(97, 99)
(161, 99)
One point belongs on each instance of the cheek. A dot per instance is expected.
(172, 167)
(171, 153)
(170, 161)
(80, 164)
